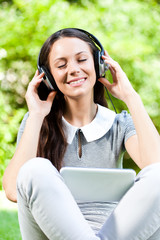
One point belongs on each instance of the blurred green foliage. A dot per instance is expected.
(128, 29)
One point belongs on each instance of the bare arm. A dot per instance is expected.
(147, 147)
(144, 147)
(27, 147)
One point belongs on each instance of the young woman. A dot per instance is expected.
(73, 127)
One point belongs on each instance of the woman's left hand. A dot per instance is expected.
(121, 88)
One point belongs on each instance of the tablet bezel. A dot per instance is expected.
(98, 184)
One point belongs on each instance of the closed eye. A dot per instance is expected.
(82, 60)
(61, 66)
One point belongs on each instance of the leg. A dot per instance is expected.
(156, 235)
(137, 216)
(46, 207)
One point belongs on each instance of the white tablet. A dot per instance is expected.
(98, 184)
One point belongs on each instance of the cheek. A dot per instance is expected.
(92, 72)
(58, 77)
(91, 66)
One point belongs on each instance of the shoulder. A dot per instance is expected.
(123, 121)
(124, 125)
(106, 114)
(123, 118)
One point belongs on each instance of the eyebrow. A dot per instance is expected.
(63, 58)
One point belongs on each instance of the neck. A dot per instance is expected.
(80, 112)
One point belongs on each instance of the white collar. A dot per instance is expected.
(96, 129)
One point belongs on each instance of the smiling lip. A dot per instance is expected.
(77, 81)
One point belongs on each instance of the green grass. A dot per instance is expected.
(9, 227)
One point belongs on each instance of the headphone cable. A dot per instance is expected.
(110, 100)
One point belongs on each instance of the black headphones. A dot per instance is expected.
(48, 84)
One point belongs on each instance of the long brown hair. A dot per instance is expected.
(52, 141)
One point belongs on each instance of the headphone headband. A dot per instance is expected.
(91, 36)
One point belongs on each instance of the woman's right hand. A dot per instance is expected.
(34, 103)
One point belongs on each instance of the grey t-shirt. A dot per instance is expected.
(103, 145)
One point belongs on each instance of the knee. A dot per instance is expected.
(35, 171)
(151, 175)
(151, 172)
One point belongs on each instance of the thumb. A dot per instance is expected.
(51, 96)
(105, 82)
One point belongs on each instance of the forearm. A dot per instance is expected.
(148, 137)
(26, 150)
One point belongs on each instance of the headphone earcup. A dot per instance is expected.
(100, 66)
(47, 85)
(50, 82)
(43, 91)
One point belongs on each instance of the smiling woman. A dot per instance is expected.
(73, 70)
(69, 124)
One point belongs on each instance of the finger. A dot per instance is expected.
(41, 74)
(106, 54)
(35, 83)
(36, 73)
(112, 70)
(36, 79)
(113, 64)
(51, 96)
(107, 61)
(105, 82)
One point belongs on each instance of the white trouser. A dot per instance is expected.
(47, 210)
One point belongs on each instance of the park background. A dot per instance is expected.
(128, 29)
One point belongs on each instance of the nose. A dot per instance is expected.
(73, 68)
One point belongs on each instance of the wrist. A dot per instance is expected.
(131, 98)
(37, 116)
